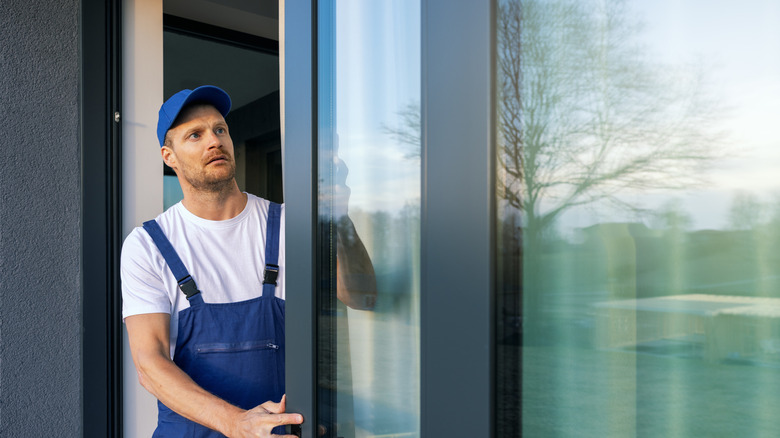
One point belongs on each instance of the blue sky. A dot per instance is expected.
(378, 74)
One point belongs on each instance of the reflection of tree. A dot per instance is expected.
(667, 273)
(584, 113)
(409, 130)
(395, 258)
(745, 212)
(671, 216)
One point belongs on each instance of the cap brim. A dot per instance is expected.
(210, 94)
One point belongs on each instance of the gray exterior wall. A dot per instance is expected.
(40, 226)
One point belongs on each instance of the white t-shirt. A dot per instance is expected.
(225, 258)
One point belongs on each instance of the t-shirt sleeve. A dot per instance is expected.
(142, 267)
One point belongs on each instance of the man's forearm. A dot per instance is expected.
(174, 388)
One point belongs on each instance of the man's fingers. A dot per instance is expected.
(269, 415)
(275, 408)
(282, 419)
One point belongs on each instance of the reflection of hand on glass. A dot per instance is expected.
(341, 191)
(355, 279)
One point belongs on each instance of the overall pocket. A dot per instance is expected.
(244, 373)
(235, 347)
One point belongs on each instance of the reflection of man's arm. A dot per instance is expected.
(355, 279)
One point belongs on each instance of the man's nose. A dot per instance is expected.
(213, 140)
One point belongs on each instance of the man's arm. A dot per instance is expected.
(149, 336)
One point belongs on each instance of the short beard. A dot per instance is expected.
(209, 183)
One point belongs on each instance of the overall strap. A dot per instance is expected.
(272, 230)
(186, 282)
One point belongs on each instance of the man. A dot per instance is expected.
(203, 286)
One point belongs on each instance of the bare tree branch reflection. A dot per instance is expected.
(584, 114)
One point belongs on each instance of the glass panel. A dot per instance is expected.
(252, 81)
(368, 120)
(638, 218)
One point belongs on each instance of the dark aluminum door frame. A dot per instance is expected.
(299, 158)
(457, 151)
(101, 213)
(457, 218)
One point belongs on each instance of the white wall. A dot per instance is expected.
(142, 183)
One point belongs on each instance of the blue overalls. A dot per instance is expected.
(233, 350)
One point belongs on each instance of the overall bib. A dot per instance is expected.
(233, 350)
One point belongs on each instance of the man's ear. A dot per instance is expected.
(168, 156)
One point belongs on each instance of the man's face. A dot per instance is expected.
(201, 150)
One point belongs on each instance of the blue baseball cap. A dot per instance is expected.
(172, 107)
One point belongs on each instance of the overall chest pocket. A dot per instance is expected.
(236, 347)
(245, 373)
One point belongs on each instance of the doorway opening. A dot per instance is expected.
(246, 66)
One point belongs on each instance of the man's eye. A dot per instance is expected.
(220, 130)
(194, 136)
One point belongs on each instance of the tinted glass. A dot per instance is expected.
(638, 218)
(369, 141)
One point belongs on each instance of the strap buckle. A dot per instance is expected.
(188, 286)
(270, 274)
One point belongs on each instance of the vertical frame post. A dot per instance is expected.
(101, 227)
(299, 158)
(457, 218)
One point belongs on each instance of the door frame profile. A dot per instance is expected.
(101, 232)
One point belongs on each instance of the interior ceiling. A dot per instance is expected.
(256, 17)
(190, 62)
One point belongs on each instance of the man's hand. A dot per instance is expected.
(259, 421)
